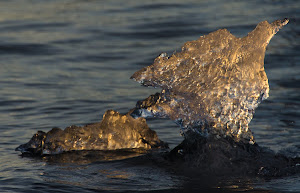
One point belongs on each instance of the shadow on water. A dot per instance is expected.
(132, 170)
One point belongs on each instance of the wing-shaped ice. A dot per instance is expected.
(214, 84)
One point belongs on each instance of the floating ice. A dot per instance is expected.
(213, 85)
(115, 131)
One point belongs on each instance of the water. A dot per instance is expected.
(67, 62)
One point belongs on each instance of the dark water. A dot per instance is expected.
(67, 62)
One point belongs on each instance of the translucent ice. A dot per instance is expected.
(213, 85)
(115, 131)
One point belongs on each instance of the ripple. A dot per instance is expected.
(15, 102)
(28, 49)
(10, 26)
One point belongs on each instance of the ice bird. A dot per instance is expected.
(213, 85)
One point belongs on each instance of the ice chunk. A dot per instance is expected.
(115, 131)
(213, 85)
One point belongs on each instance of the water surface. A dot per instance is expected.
(67, 62)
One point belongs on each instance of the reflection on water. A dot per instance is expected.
(67, 62)
(93, 171)
(87, 157)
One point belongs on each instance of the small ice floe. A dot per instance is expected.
(115, 131)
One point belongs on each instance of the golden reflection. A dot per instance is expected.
(86, 157)
(115, 174)
(237, 185)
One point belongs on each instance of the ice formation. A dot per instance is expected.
(115, 131)
(213, 85)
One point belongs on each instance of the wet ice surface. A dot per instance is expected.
(114, 132)
(64, 52)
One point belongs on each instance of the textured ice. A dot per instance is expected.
(115, 131)
(213, 85)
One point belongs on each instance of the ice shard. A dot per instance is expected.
(115, 131)
(213, 85)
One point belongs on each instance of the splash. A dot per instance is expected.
(212, 86)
